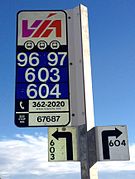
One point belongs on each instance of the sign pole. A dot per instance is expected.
(87, 170)
(81, 85)
(88, 156)
(83, 152)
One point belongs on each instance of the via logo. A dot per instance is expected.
(42, 28)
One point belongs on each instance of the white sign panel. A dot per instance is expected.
(112, 143)
(62, 144)
(41, 25)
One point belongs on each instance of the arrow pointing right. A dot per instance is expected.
(105, 135)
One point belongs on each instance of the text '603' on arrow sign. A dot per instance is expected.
(112, 143)
(62, 144)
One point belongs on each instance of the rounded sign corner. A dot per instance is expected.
(20, 11)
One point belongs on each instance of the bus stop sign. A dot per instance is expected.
(42, 71)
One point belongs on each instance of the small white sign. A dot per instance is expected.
(47, 119)
(112, 143)
(48, 105)
(62, 144)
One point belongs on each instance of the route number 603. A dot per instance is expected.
(30, 74)
(52, 150)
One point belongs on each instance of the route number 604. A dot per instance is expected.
(43, 91)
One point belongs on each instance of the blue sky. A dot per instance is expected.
(112, 39)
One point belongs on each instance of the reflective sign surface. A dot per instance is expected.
(112, 143)
(62, 144)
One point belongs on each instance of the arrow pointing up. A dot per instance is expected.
(105, 135)
(69, 144)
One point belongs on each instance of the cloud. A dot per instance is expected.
(119, 165)
(26, 156)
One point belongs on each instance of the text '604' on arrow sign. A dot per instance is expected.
(62, 144)
(42, 69)
(112, 143)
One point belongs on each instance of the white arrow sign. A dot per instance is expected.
(62, 144)
(112, 143)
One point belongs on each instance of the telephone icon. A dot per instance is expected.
(21, 105)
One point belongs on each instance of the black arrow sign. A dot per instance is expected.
(69, 145)
(105, 135)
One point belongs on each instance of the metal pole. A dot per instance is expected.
(87, 136)
(81, 84)
(87, 152)
(83, 152)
